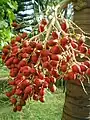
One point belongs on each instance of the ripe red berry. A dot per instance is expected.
(83, 49)
(64, 41)
(39, 46)
(56, 50)
(18, 38)
(41, 28)
(63, 68)
(35, 97)
(55, 57)
(55, 34)
(88, 72)
(83, 67)
(74, 44)
(76, 68)
(19, 107)
(42, 99)
(44, 21)
(71, 75)
(28, 90)
(13, 100)
(8, 94)
(64, 26)
(52, 42)
(24, 35)
(42, 92)
(34, 59)
(52, 88)
(87, 63)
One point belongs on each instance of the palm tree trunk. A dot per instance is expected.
(77, 102)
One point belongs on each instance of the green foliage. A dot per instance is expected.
(7, 8)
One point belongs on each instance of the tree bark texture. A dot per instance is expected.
(77, 102)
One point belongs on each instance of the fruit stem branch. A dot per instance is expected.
(60, 6)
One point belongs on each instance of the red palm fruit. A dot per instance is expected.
(13, 100)
(14, 24)
(6, 47)
(56, 50)
(63, 62)
(64, 41)
(44, 53)
(53, 63)
(42, 92)
(13, 72)
(44, 59)
(22, 63)
(83, 49)
(22, 102)
(32, 44)
(76, 68)
(54, 73)
(28, 49)
(25, 97)
(45, 84)
(25, 43)
(41, 28)
(87, 63)
(34, 59)
(64, 26)
(66, 77)
(83, 68)
(52, 88)
(35, 97)
(24, 35)
(88, 72)
(55, 34)
(47, 65)
(38, 82)
(47, 79)
(40, 76)
(3, 57)
(71, 75)
(9, 61)
(28, 90)
(19, 107)
(25, 68)
(8, 94)
(26, 83)
(44, 21)
(42, 99)
(74, 44)
(52, 42)
(55, 57)
(26, 73)
(88, 52)
(15, 61)
(39, 46)
(81, 41)
(33, 71)
(18, 92)
(12, 82)
(5, 51)
(37, 52)
(13, 41)
(18, 38)
(52, 79)
(68, 58)
(13, 91)
(63, 68)
(25, 55)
